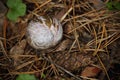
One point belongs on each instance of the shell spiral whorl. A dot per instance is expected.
(44, 32)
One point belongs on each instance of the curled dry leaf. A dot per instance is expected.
(63, 45)
(18, 49)
(90, 71)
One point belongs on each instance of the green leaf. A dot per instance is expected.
(113, 5)
(11, 15)
(26, 77)
(110, 6)
(13, 3)
(43, 75)
(16, 9)
(21, 9)
(117, 5)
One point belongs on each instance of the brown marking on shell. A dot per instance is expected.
(39, 20)
(48, 21)
(56, 24)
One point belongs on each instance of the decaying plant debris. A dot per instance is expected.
(88, 50)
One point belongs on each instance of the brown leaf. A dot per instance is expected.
(90, 71)
(67, 28)
(60, 14)
(98, 4)
(63, 45)
(18, 49)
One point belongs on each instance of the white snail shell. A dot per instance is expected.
(44, 32)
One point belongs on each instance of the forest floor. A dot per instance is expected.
(89, 49)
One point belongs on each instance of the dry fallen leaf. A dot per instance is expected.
(63, 45)
(90, 71)
(98, 4)
(67, 28)
(18, 49)
(62, 14)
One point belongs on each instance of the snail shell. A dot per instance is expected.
(44, 32)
